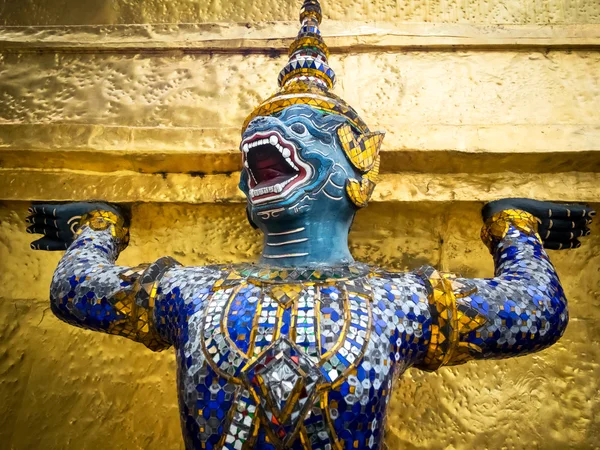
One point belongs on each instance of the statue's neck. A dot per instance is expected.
(306, 244)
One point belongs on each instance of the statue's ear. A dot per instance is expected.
(362, 151)
(360, 191)
(249, 217)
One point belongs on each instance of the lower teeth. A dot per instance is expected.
(277, 189)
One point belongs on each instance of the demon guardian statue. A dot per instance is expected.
(301, 349)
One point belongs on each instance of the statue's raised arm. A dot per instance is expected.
(523, 308)
(88, 289)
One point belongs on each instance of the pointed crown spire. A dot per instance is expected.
(308, 53)
(307, 77)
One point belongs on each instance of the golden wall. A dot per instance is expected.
(142, 102)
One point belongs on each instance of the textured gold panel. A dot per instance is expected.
(213, 91)
(65, 12)
(94, 391)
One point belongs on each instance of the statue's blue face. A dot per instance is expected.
(293, 163)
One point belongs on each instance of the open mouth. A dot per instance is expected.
(274, 168)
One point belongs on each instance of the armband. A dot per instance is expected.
(102, 220)
(497, 226)
(449, 322)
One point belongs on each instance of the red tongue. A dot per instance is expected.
(272, 167)
(270, 173)
(274, 181)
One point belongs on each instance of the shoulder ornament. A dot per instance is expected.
(449, 321)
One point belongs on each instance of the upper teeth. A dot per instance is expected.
(285, 152)
(291, 163)
(256, 143)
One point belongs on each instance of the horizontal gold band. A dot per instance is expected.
(70, 185)
(341, 37)
(420, 148)
(211, 162)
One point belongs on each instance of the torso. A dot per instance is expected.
(291, 360)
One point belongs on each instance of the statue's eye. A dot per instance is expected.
(298, 128)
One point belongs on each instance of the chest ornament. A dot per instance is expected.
(287, 345)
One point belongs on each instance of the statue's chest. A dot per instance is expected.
(329, 326)
(291, 348)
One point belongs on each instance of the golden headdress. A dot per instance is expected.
(307, 79)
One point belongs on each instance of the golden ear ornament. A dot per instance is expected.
(362, 151)
(360, 191)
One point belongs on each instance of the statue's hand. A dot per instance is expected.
(561, 225)
(60, 222)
